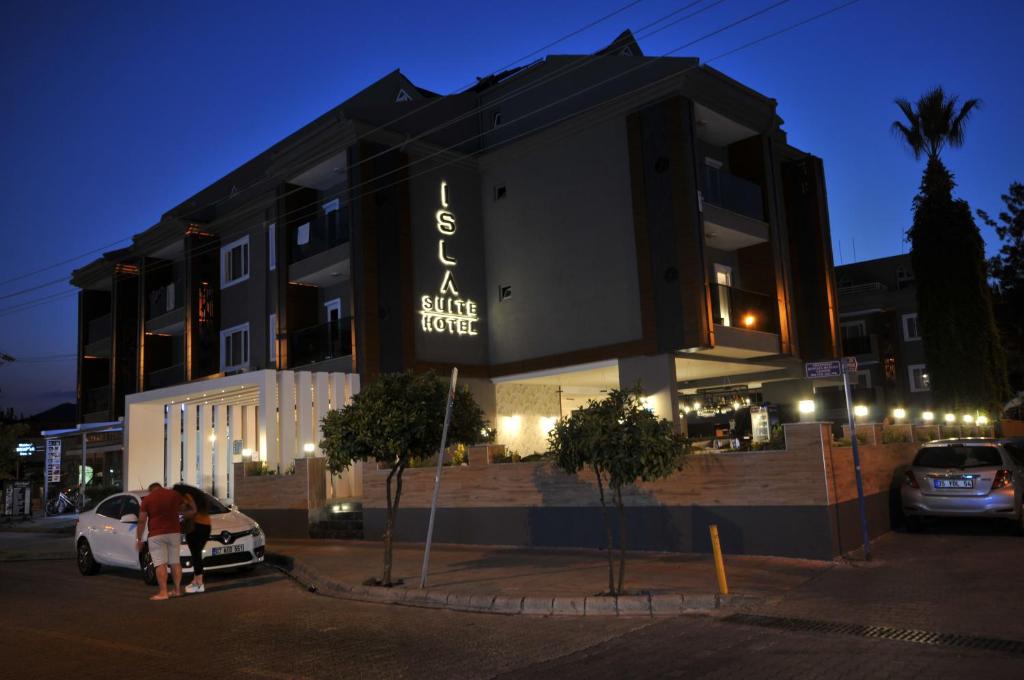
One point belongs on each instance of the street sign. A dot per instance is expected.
(53, 447)
(831, 369)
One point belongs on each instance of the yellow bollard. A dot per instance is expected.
(723, 586)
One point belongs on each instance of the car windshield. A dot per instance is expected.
(958, 457)
(214, 506)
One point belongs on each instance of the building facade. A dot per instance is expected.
(564, 228)
(878, 325)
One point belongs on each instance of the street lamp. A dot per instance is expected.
(805, 406)
(308, 448)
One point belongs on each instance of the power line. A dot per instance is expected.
(547, 78)
(549, 124)
(397, 119)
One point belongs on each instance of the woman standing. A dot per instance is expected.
(197, 531)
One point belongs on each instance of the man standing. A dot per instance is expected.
(160, 510)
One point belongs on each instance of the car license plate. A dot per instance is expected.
(954, 483)
(228, 549)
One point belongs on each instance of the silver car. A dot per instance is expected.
(965, 478)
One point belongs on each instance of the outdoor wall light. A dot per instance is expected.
(309, 447)
(749, 320)
(246, 453)
(860, 410)
(949, 418)
(547, 423)
(805, 406)
(928, 416)
(213, 438)
(899, 413)
(982, 420)
(511, 424)
(968, 418)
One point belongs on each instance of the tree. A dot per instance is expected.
(395, 420)
(966, 364)
(622, 442)
(1007, 271)
(10, 435)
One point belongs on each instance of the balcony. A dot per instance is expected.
(857, 345)
(331, 340)
(96, 400)
(733, 193)
(164, 377)
(97, 329)
(746, 309)
(322, 233)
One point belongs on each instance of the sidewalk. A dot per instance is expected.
(525, 580)
(57, 524)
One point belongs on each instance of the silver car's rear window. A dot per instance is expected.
(958, 457)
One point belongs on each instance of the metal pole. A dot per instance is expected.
(437, 477)
(81, 481)
(716, 549)
(856, 467)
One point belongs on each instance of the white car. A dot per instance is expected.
(105, 536)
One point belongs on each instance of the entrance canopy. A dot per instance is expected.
(194, 432)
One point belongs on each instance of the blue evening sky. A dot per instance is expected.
(114, 112)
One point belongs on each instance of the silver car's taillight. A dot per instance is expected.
(910, 480)
(1003, 479)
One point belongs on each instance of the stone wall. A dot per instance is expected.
(283, 503)
(528, 412)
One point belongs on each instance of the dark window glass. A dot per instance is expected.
(214, 506)
(111, 507)
(131, 506)
(1016, 452)
(958, 457)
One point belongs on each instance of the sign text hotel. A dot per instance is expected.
(447, 312)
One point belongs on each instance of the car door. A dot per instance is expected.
(122, 538)
(107, 519)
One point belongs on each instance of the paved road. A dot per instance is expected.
(55, 623)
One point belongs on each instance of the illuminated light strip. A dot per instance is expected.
(460, 317)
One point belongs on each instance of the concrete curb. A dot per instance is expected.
(655, 605)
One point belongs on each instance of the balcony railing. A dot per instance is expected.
(96, 399)
(325, 341)
(166, 299)
(857, 344)
(744, 309)
(97, 329)
(324, 232)
(731, 192)
(163, 377)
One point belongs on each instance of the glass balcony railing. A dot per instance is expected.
(857, 344)
(96, 399)
(320, 234)
(97, 329)
(166, 299)
(324, 341)
(744, 309)
(164, 377)
(731, 192)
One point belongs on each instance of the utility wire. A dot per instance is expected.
(397, 119)
(572, 115)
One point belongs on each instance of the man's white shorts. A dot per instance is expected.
(165, 549)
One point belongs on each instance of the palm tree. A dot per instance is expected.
(933, 123)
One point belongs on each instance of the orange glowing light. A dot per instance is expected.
(749, 320)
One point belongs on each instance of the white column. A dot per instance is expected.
(286, 421)
(173, 472)
(657, 378)
(234, 432)
(351, 387)
(221, 452)
(189, 435)
(303, 410)
(269, 443)
(205, 477)
(143, 427)
(247, 428)
(321, 405)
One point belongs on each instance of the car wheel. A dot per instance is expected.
(913, 523)
(148, 570)
(87, 566)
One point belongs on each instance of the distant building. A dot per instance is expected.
(878, 325)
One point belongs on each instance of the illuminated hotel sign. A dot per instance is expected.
(446, 312)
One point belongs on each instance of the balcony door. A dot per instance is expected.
(332, 310)
(723, 282)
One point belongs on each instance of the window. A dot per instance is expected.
(272, 337)
(272, 246)
(332, 309)
(504, 293)
(918, 374)
(131, 506)
(234, 348)
(500, 192)
(853, 329)
(863, 379)
(234, 262)
(495, 119)
(332, 206)
(111, 507)
(910, 331)
(302, 234)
